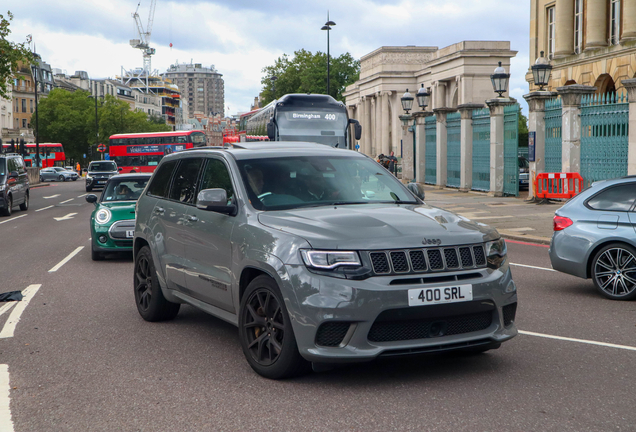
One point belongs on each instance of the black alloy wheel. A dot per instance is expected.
(151, 303)
(266, 333)
(61, 178)
(25, 205)
(7, 211)
(614, 271)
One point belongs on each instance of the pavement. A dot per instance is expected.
(514, 217)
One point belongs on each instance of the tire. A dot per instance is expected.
(263, 314)
(61, 178)
(25, 205)
(89, 189)
(74, 178)
(95, 255)
(614, 271)
(7, 211)
(151, 303)
(41, 179)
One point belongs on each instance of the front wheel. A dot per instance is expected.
(266, 334)
(61, 178)
(41, 179)
(7, 211)
(614, 271)
(151, 303)
(25, 205)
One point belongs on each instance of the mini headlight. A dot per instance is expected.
(329, 260)
(103, 216)
(496, 253)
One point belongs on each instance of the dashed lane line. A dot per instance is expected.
(6, 424)
(45, 208)
(67, 200)
(83, 195)
(67, 259)
(16, 313)
(533, 267)
(52, 196)
(17, 217)
(584, 341)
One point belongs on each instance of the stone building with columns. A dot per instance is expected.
(589, 42)
(455, 75)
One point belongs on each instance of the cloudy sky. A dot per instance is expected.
(240, 37)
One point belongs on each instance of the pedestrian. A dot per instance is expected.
(393, 164)
(79, 169)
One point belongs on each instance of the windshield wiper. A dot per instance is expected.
(348, 202)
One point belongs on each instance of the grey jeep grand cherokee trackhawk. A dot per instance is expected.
(317, 254)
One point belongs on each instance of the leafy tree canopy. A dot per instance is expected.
(523, 131)
(306, 72)
(10, 54)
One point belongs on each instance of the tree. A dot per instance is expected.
(307, 73)
(10, 55)
(523, 131)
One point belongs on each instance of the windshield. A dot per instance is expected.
(102, 166)
(124, 189)
(324, 126)
(294, 182)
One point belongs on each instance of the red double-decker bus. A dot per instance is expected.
(141, 152)
(51, 154)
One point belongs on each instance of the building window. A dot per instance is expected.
(551, 32)
(24, 125)
(615, 22)
(24, 109)
(578, 26)
(31, 104)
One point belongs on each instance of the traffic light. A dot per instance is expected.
(1, 147)
(22, 147)
(90, 151)
(12, 150)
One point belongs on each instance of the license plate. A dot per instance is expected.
(449, 294)
(130, 233)
(100, 182)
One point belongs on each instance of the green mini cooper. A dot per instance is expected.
(113, 220)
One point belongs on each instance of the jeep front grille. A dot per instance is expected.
(427, 260)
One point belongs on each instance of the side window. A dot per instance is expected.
(184, 185)
(11, 165)
(619, 198)
(161, 179)
(216, 176)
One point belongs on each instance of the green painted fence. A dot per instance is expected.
(430, 128)
(511, 145)
(453, 151)
(481, 149)
(553, 146)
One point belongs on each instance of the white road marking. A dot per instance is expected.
(6, 307)
(67, 200)
(16, 313)
(9, 220)
(533, 267)
(521, 229)
(6, 424)
(609, 345)
(79, 196)
(67, 259)
(68, 216)
(52, 196)
(45, 208)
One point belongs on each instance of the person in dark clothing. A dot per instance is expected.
(393, 164)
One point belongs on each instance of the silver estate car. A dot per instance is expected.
(595, 237)
(316, 254)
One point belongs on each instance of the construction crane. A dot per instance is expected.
(143, 43)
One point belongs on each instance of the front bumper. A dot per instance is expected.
(374, 319)
(112, 244)
(96, 182)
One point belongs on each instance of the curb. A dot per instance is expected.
(39, 185)
(527, 238)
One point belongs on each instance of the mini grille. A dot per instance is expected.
(435, 259)
(466, 256)
(451, 258)
(417, 260)
(398, 260)
(380, 262)
(480, 257)
(509, 312)
(331, 334)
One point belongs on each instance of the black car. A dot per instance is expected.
(14, 183)
(98, 174)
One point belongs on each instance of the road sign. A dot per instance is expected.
(101, 148)
(357, 147)
(106, 156)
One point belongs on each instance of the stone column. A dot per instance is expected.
(420, 145)
(595, 24)
(385, 145)
(536, 123)
(466, 145)
(377, 138)
(571, 125)
(564, 28)
(629, 21)
(363, 122)
(407, 148)
(630, 85)
(496, 107)
(442, 145)
(372, 125)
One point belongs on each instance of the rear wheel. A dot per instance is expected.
(266, 334)
(41, 179)
(614, 271)
(151, 303)
(25, 205)
(61, 178)
(7, 211)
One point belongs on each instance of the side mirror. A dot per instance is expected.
(13, 174)
(216, 200)
(271, 130)
(416, 189)
(91, 198)
(357, 129)
(120, 169)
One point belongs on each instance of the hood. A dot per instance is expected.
(121, 210)
(367, 227)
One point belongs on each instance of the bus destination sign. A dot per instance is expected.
(311, 116)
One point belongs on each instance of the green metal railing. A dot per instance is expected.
(453, 149)
(604, 137)
(481, 149)
(553, 115)
(511, 145)
(430, 128)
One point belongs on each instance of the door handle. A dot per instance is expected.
(159, 210)
(193, 218)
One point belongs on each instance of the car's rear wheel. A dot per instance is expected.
(151, 303)
(61, 178)
(614, 271)
(7, 211)
(266, 333)
(74, 178)
(25, 205)
(41, 179)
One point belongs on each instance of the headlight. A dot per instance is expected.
(496, 253)
(103, 216)
(329, 260)
(2, 187)
(88, 176)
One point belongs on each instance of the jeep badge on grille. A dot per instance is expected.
(432, 241)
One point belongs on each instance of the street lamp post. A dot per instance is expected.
(500, 80)
(34, 72)
(327, 27)
(541, 71)
(273, 79)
